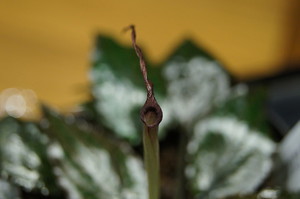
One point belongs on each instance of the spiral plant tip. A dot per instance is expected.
(151, 113)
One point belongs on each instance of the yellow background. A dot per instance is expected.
(45, 45)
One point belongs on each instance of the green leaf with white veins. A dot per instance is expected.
(24, 161)
(57, 155)
(227, 157)
(90, 166)
(196, 83)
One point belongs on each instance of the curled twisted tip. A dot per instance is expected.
(149, 85)
(127, 28)
(151, 113)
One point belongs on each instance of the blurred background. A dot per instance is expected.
(229, 86)
(46, 46)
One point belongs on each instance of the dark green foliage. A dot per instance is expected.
(249, 107)
(89, 155)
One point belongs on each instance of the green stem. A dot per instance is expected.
(151, 116)
(151, 158)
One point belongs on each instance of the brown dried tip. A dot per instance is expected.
(151, 113)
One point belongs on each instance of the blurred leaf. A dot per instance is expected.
(187, 50)
(196, 83)
(286, 195)
(288, 173)
(247, 105)
(268, 193)
(227, 157)
(88, 165)
(62, 156)
(24, 161)
(8, 190)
